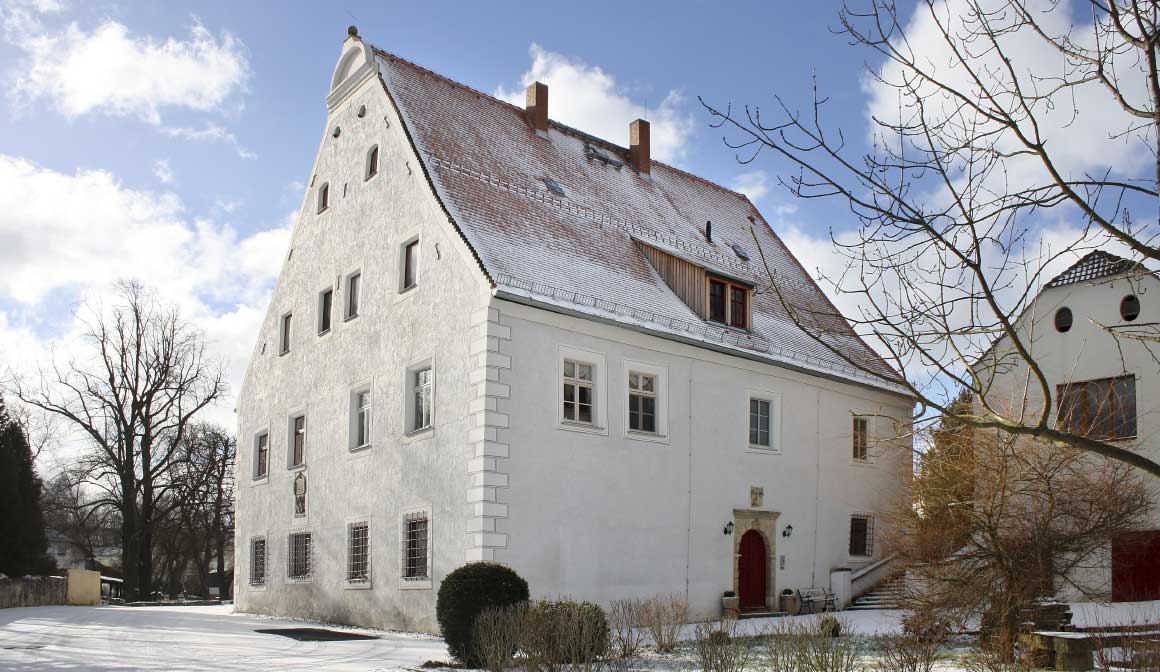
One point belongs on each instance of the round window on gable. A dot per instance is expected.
(1130, 307)
(1063, 320)
(362, 111)
(336, 132)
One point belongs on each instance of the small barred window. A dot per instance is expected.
(358, 553)
(415, 543)
(298, 557)
(258, 561)
(862, 535)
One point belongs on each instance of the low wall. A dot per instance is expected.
(868, 578)
(33, 591)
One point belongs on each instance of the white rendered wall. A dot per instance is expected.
(363, 229)
(599, 516)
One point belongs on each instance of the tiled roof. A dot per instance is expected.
(577, 252)
(1094, 265)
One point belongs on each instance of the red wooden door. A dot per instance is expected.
(1136, 567)
(751, 571)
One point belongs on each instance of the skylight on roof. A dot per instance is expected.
(740, 252)
(553, 186)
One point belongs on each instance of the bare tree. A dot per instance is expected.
(80, 518)
(206, 493)
(133, 401)
(1038, 518)
(946, 200)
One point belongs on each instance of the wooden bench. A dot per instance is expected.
(813, 598)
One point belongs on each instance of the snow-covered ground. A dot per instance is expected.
(189, 638)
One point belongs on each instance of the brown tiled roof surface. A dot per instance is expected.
(577, 252)
(1094, 265)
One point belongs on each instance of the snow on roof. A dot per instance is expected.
(1093, 266)
(577, 251)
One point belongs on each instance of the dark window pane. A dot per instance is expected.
(737, 309)
(410, 265)
(325, 309)
(716, 301)
(352, 287)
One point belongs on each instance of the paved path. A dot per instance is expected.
(188, 638)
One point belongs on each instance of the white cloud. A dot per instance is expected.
(72, 236)
(754, 184)
(162, 171)
(112, 71)
(210, 133)
(589, 99)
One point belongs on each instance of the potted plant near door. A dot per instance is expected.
(730, 605)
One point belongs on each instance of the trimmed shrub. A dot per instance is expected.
(563, 632)
(829, 626)
(464, 594)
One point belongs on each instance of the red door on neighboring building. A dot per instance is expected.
(1136, 567)
(751, 571)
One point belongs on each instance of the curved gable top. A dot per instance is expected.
(356, 64)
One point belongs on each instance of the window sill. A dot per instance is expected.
(418, 435)
(357, 585)
(263, 480)
(283, 353)
(580, 427)
(305, 579)
(863, 464)
(648, 437)
(351, 318)
(415, 584)
(259, 588)
(296, 467)
(359, 450)
(730, 327)
(322, 210)
(324, 332)
(762, 450)
(406, 293)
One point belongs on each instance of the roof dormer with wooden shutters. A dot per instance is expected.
(713, 296)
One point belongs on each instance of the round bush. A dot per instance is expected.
(829, 626)
(466, 592)
(564, 632)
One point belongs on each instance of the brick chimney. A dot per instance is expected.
(638, 145)
(537, 107)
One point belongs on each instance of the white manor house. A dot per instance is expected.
(495, 337)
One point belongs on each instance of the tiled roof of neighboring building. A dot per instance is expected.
(1094, 265)
(500, 184)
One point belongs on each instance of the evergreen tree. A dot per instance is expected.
(21, 518)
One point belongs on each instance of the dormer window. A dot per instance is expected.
(728, 303)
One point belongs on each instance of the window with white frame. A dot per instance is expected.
(284, 333)
(262, 455)
(358, 559)
(862, 535)
(416, 541)
(420, 397)
(352, 295)
(642, 402)
(258, 561)
(297, 440)
(760, 415)
(861, 439)
(409, 261)
(360, 419)
(579, 392)
(325, 310)
(298, 556)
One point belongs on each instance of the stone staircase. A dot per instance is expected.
(886, 595)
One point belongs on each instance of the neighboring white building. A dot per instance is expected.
(1111, 385)
(497, 338)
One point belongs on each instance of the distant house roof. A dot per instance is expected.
(555, 222)
(1094, 265)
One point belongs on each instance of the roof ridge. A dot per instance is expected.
(1116, 265)
(558, 124)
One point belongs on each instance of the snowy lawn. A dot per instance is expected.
(190, 638)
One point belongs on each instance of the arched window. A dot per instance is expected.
(1063, 320)
(1130, 307)
(323, 196)
(372, 162)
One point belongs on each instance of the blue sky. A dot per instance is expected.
(169, 143)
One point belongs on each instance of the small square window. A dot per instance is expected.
(410, 265)
(415, 544)
(358, 561)
(284, 334)
(258, 561)
(352, 295)
(325, 309)
(262, 455)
